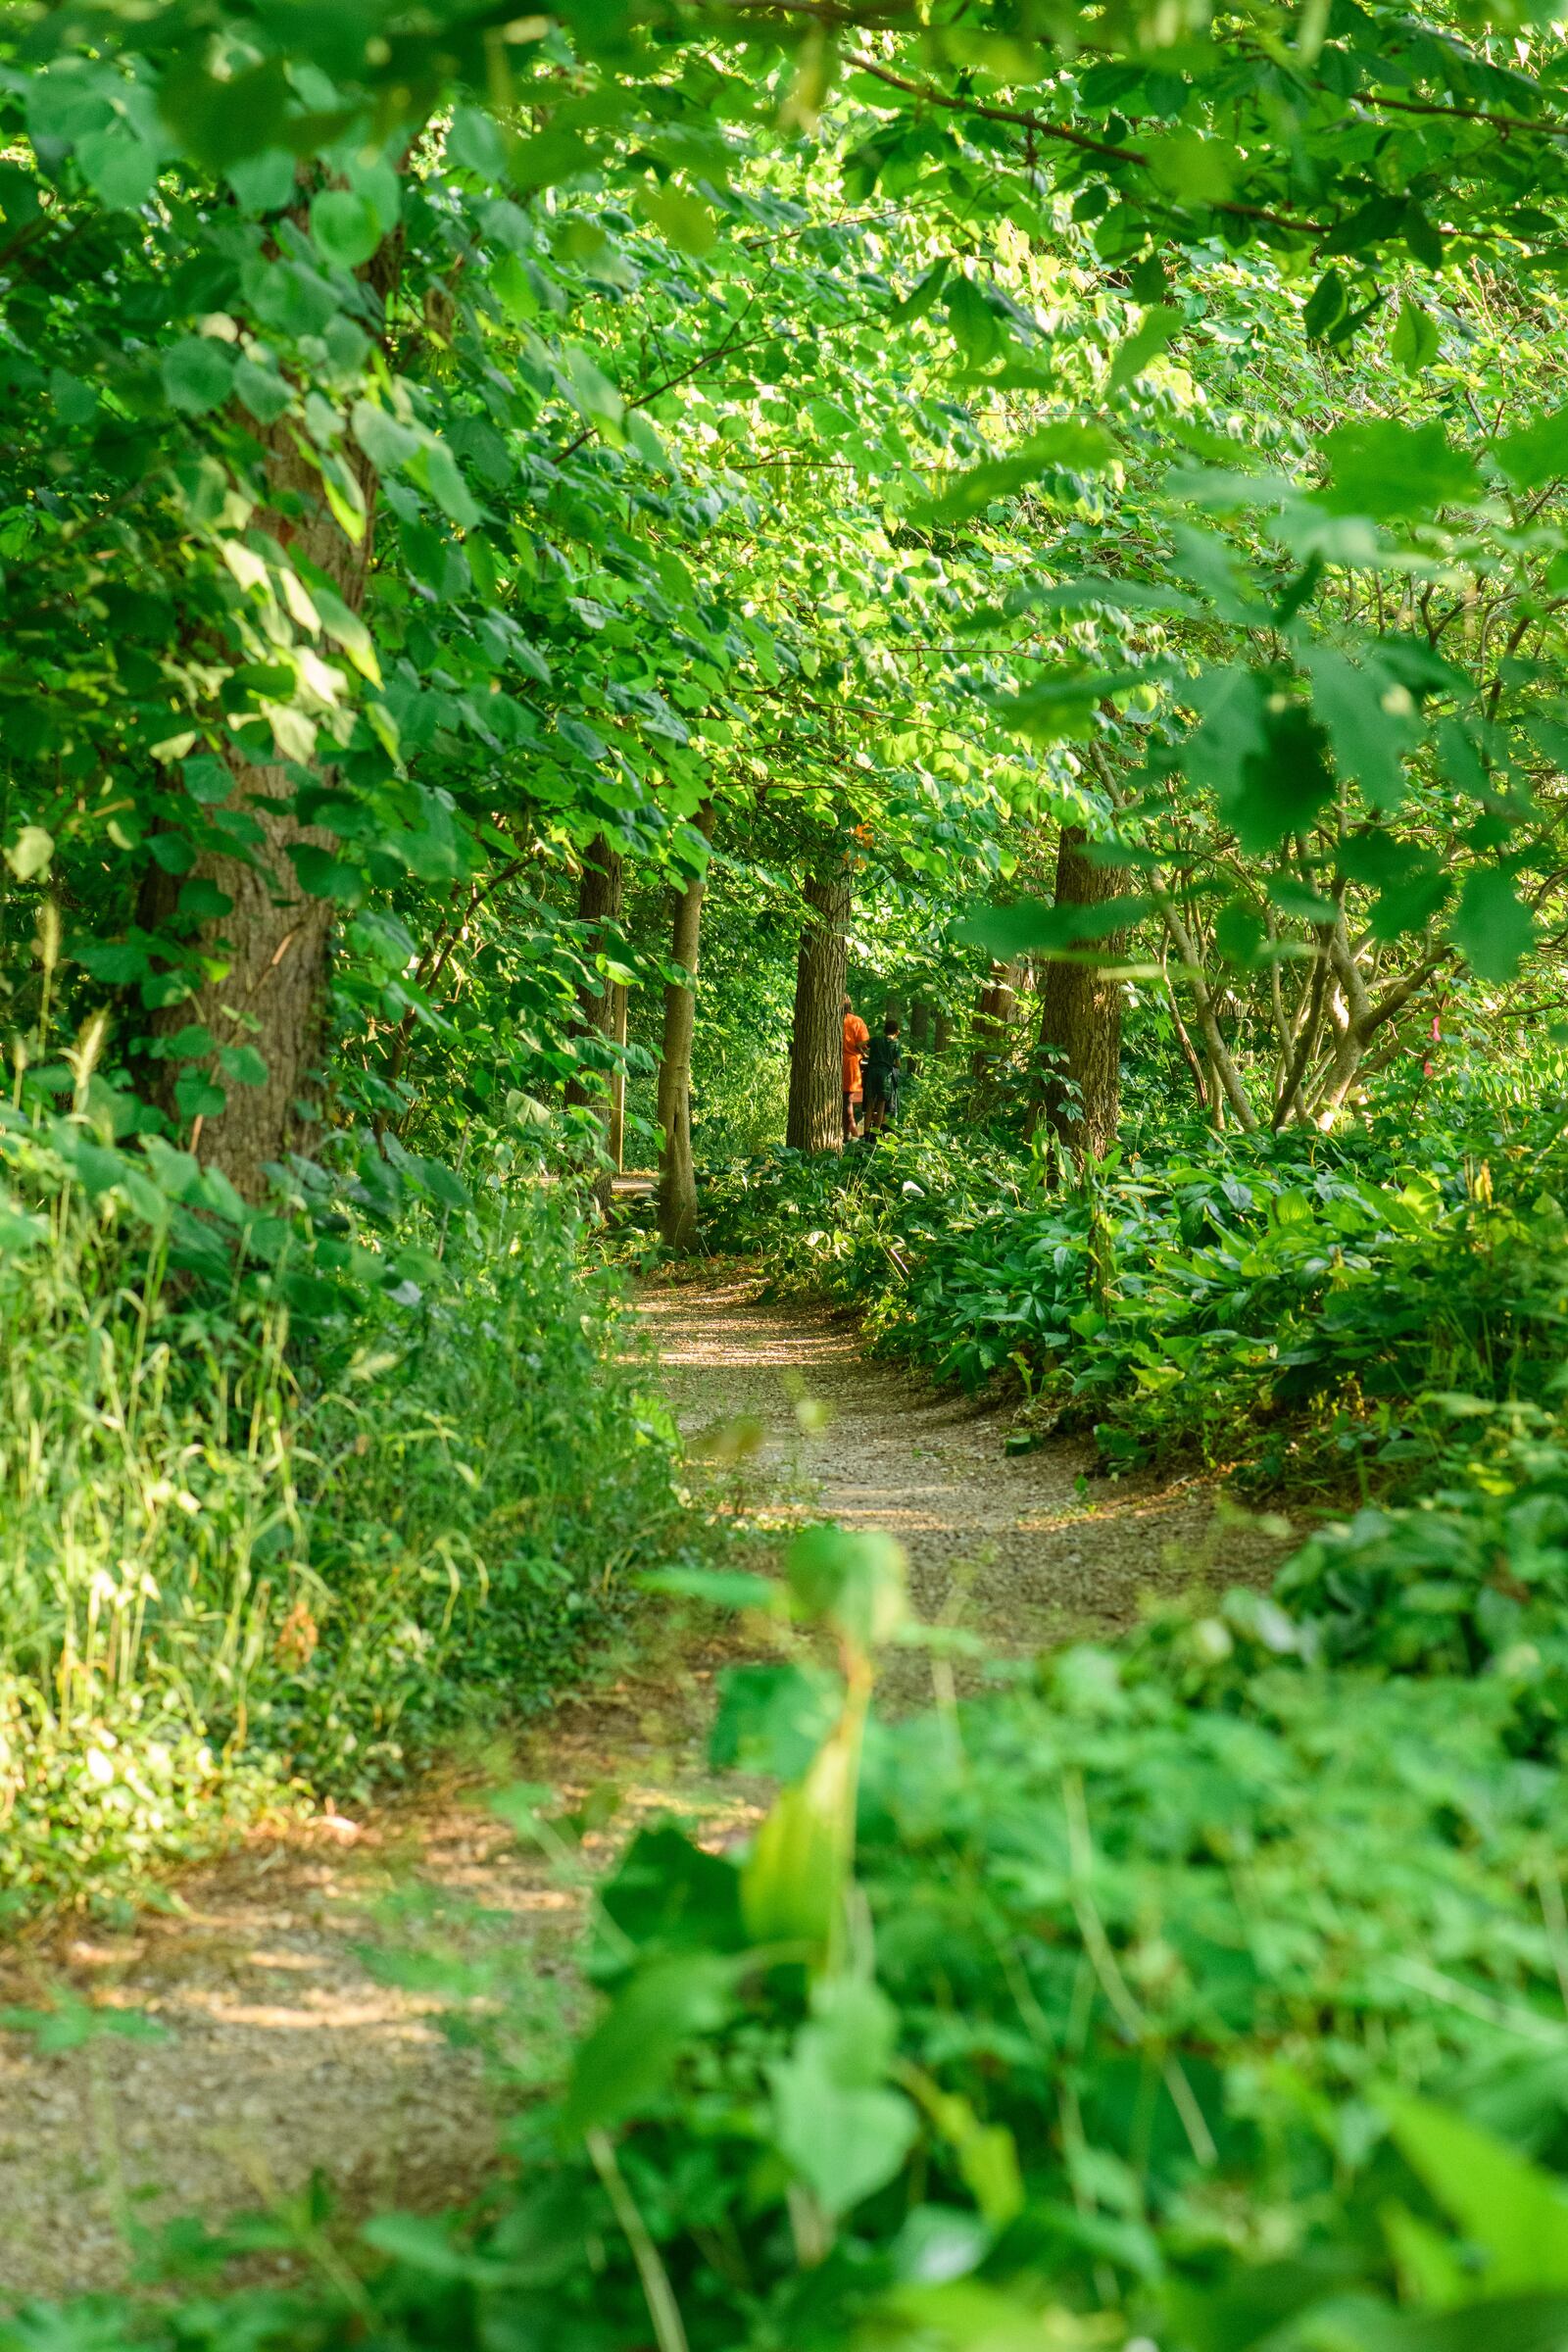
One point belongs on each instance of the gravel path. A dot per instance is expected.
(285, 2049)
(1022, 1548)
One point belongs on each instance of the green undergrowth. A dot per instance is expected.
(280, 1510)
(1188, 1991)
(1298, 1313)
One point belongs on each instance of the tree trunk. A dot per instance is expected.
(993, 1021)
(599, 903)
(615, 1133)
(1075, 1085)
(677, 1178)
(919, 1024)
(940, 1033)
(264, 980)
(816, 1043)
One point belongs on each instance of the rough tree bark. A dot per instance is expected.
(815, 1120)
(1075, 1085)
(677, 1178)
(264, 978)
(615, 1133)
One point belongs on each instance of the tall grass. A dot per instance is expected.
(239, 1554)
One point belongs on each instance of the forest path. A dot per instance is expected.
(286, 2047)
(1023, 1548)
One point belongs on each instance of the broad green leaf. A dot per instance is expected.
(1381, 468)
(1491, 929)
(1192, 168)
(1326, 306)
(681, 216)
(1157, 329)
(30, 853)
(120, 168)
(1415, 341)
(835, 2122)
(345, 226)
(265, 182)
(1516, 2214)
(1371, 722)
(1537, 453)
(850, 1579)
(243, 1064)
(773, 1718)
(1071, 448)
(198, 373)
(629, 2057)
(922, 297)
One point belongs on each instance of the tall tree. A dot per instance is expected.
(260, 993)
(1075, 1085)
(815, 1121)
(678, 1177)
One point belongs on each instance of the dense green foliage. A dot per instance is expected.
(1215, 1997)
(475, 479)
(239, 1563)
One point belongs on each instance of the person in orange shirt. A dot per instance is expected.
(856, 1037)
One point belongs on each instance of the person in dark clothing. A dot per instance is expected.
(881, 1071)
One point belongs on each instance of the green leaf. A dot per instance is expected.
(30, 853)
(633, 2051)
(475, 143)
(1071, 447)
(1157, 329)
(243, 1064)
(682, 218)
(321, 875)
(1415, 341)
(922, 297)
(1422, 235)
(197, 1098)
(1326, 306)
(345, 226)
(1371, 723)
(198, 374)
(262, 392)
(265, 183)
(1516, 2214)
(773, 1718)
(122, 168)
(1384, 468)
(1191, 168)
(1537, 453)
(835, 2122)
(850, 1579)
(1491, 928)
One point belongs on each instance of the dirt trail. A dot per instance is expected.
(285, 2050)
(1023, 1547)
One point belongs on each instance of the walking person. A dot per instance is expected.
(856, 1037)
(883, 1066)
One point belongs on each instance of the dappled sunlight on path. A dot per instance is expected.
(1021, 1548)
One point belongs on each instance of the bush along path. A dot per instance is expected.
(284, 2015)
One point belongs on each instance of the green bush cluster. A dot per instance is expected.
(1187, 1992)
(244, 1549)
(1280, 1304)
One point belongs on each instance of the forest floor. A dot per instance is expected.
(292, 2038)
